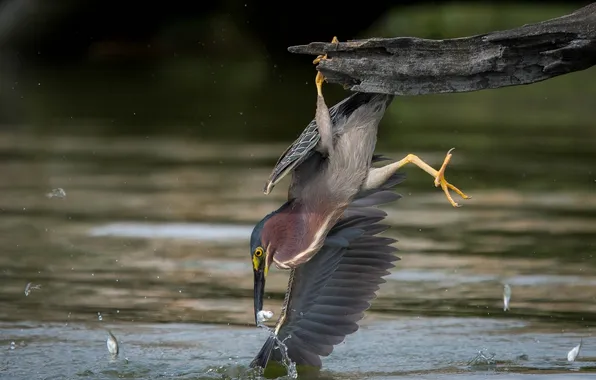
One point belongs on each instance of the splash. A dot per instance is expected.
(483, 360)
(281, 346)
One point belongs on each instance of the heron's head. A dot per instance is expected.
(268, 237)
(261, 259)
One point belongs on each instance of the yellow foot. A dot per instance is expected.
(320, 78)
(446, 186)
(379, 175)
(324, 56)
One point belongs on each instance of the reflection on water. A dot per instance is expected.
(157, 230)
(198, 231)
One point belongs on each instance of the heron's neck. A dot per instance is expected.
(297, 232)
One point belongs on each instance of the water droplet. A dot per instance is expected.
(57, 193)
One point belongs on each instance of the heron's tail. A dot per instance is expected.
(350, 104)
(263, 356)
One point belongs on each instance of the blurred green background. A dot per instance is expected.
(161, 123)
(211, 77)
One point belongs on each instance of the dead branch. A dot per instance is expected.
(416, 66)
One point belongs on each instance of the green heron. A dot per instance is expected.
(327, 295)
(332, 179)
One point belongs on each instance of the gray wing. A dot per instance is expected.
(330, 293)
(305, 145)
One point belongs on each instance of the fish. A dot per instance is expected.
(264, 315)
(112, 344)
(57, 193)
(30, 287)
(574, 353)
(506, 297)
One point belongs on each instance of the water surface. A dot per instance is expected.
(153, 236)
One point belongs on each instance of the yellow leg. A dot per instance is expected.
(439, 175)
(319, 83)
(319, 78)
(377, 176)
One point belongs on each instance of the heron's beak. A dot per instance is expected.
(259, 291)
(260, 269)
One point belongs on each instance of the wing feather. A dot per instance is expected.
(305, 145)
(329, 293)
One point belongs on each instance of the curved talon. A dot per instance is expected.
(441, 173)
(441, 181)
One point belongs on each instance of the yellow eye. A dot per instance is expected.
(259, 252)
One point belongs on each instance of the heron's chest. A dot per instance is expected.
(306, 238)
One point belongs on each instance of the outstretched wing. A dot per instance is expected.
(328, 295)
(305, 145)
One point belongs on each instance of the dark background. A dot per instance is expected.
(220, 69)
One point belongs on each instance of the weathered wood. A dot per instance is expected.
(416, 66)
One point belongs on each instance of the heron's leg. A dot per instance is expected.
(323, 120)
(377, 176)
(322, 116)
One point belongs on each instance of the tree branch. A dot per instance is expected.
(416, 66)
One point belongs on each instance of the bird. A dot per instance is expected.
(327, 296)
(331, 162)
(337, 128)
(325, 234)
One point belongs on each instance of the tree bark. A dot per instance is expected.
(416, 66)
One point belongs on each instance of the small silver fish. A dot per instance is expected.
(112, 344)
(573, 354)
(30, 287)
(506, 297)
(264, 315)
(57, 193)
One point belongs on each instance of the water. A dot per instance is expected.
(384, 348)
(123, 209)
(151, 243)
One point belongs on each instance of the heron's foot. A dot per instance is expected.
(446, 186)
(320, 78)
(324, 56)
(377, 176)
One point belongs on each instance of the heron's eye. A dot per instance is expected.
(259, 252)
